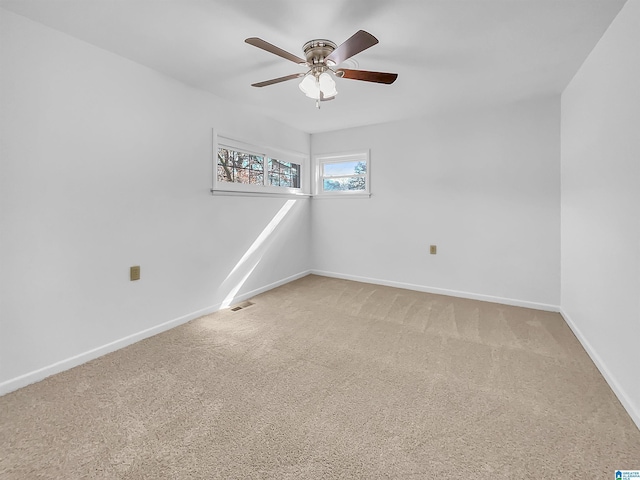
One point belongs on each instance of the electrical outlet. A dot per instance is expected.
(433, 249)
(134, 273)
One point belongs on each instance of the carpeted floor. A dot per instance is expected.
(325, 379)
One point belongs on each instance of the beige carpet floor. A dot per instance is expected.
(326, 379)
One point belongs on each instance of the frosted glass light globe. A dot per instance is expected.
(312, 87)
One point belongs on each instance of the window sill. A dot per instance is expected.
(237, 193)
(341, 195)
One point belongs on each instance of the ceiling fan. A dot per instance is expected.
(322, 56)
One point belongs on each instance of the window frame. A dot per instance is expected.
(344, 157)
(267, 153)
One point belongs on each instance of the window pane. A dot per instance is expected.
(240, 167)
(256, 178)
(295, 175)
(344, 184)
(240, 160)
(344, 168)
(225, 175)
(285, 181)
(241, 175)
(225, 166)
(256, 163)
(284, 174)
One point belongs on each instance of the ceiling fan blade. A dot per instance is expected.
(366, 76)
(360, 41)
(258, 42)
(278, 80)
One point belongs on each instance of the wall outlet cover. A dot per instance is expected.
(134, 273)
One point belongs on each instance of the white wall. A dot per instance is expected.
(484, 186)
(601, 205)
(107, 164)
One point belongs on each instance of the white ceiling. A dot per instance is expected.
(448, 53)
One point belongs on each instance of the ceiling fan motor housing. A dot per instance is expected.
(316, 51)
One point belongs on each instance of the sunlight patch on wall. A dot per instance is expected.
(251, 254)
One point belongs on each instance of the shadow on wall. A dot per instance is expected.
(251, 258)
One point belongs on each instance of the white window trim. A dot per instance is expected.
(229, 188)
(320, 160)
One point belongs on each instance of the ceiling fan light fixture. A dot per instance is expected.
(327, 86)
(309, 86)
(312, 87)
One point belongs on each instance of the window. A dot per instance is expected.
(344, 174)
(240, 167)
(284, 174)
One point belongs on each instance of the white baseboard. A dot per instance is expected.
(629, 406)
(62, 365)
(442, 291)
(67, 363)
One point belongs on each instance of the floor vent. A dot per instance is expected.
(240, 306)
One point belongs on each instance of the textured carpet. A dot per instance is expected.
(322, 379)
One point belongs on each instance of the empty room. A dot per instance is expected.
(355, 239)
